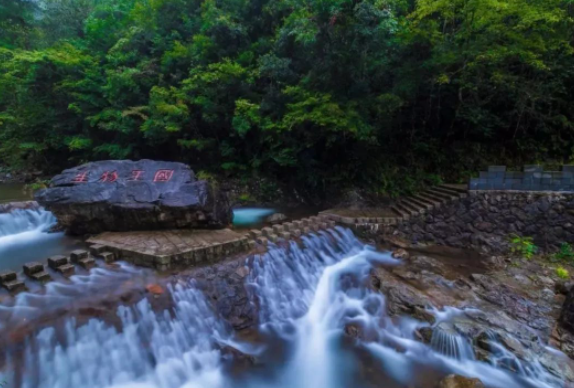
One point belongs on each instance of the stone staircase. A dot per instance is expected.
(430, 199)
(401, 210)
(290, 230)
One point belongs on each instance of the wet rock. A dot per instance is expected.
(231, 353)
(358, 331)
(424, 334)
(495, 262)
(558, 365)
(400, 254)
(11, 206)
(457, 381)
(276, 218)
(562, 287)
(567, 314)
(155, 289)
(121, 195)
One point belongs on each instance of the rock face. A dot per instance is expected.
(567, 315)
(122, 195)
(11, 206)
(456, 381)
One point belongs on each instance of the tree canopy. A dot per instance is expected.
(386, 94)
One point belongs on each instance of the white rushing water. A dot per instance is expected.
(24, 237)
(20, 222)
(305, 298)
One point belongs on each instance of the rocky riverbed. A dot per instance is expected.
(507, 308)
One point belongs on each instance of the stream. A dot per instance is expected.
(305, 296)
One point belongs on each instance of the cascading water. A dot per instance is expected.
(24, 237)
(306, 297)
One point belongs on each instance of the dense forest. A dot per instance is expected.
(384, 94)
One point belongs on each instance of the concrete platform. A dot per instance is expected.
(172, 248)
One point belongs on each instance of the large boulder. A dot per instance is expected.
(567, 315)
(123, 195)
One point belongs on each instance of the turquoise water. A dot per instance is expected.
(250, 216)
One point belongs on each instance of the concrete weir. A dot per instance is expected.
(184, 247)
(172, 248)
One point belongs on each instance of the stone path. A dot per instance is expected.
(170, 248)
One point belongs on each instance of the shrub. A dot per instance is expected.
(562, 272)
(566, 253)
(522, 246)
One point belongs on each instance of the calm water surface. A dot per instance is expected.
(12, 192)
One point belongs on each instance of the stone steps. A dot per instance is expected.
(401, 210)
(290, 230)
(9, 280)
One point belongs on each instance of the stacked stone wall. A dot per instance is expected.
(486, 219)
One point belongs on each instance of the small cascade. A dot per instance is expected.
(448, 342)
(151, 350)
(24, 237)
(25, 221)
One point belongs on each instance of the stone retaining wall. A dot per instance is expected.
(485, 219)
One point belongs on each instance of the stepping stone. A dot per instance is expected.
(87, 262)
(273, 237)
(285, 235)
(251, 244)
(14, 285)
(262, 240)
(8, 276)
(255, 233)
(96, 249)
(296, 233)
(32, 268)
(278, 228)
(77, 255)
(66, 269)
(57, 261)
(41, 276)
(267, 231)
(108, 257)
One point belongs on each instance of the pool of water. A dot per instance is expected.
(13, 192)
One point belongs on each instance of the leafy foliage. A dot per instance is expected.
(322, 94)
(522, 247)
(566, 253)
(562, 273)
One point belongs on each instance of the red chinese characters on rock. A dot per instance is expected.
(81, 177)
(137, 175)
(163, 175)
(109, 177)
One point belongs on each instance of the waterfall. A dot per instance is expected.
(151, 350)
(447, 341)
(21, 221)
(24, 237)
(306, 294)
